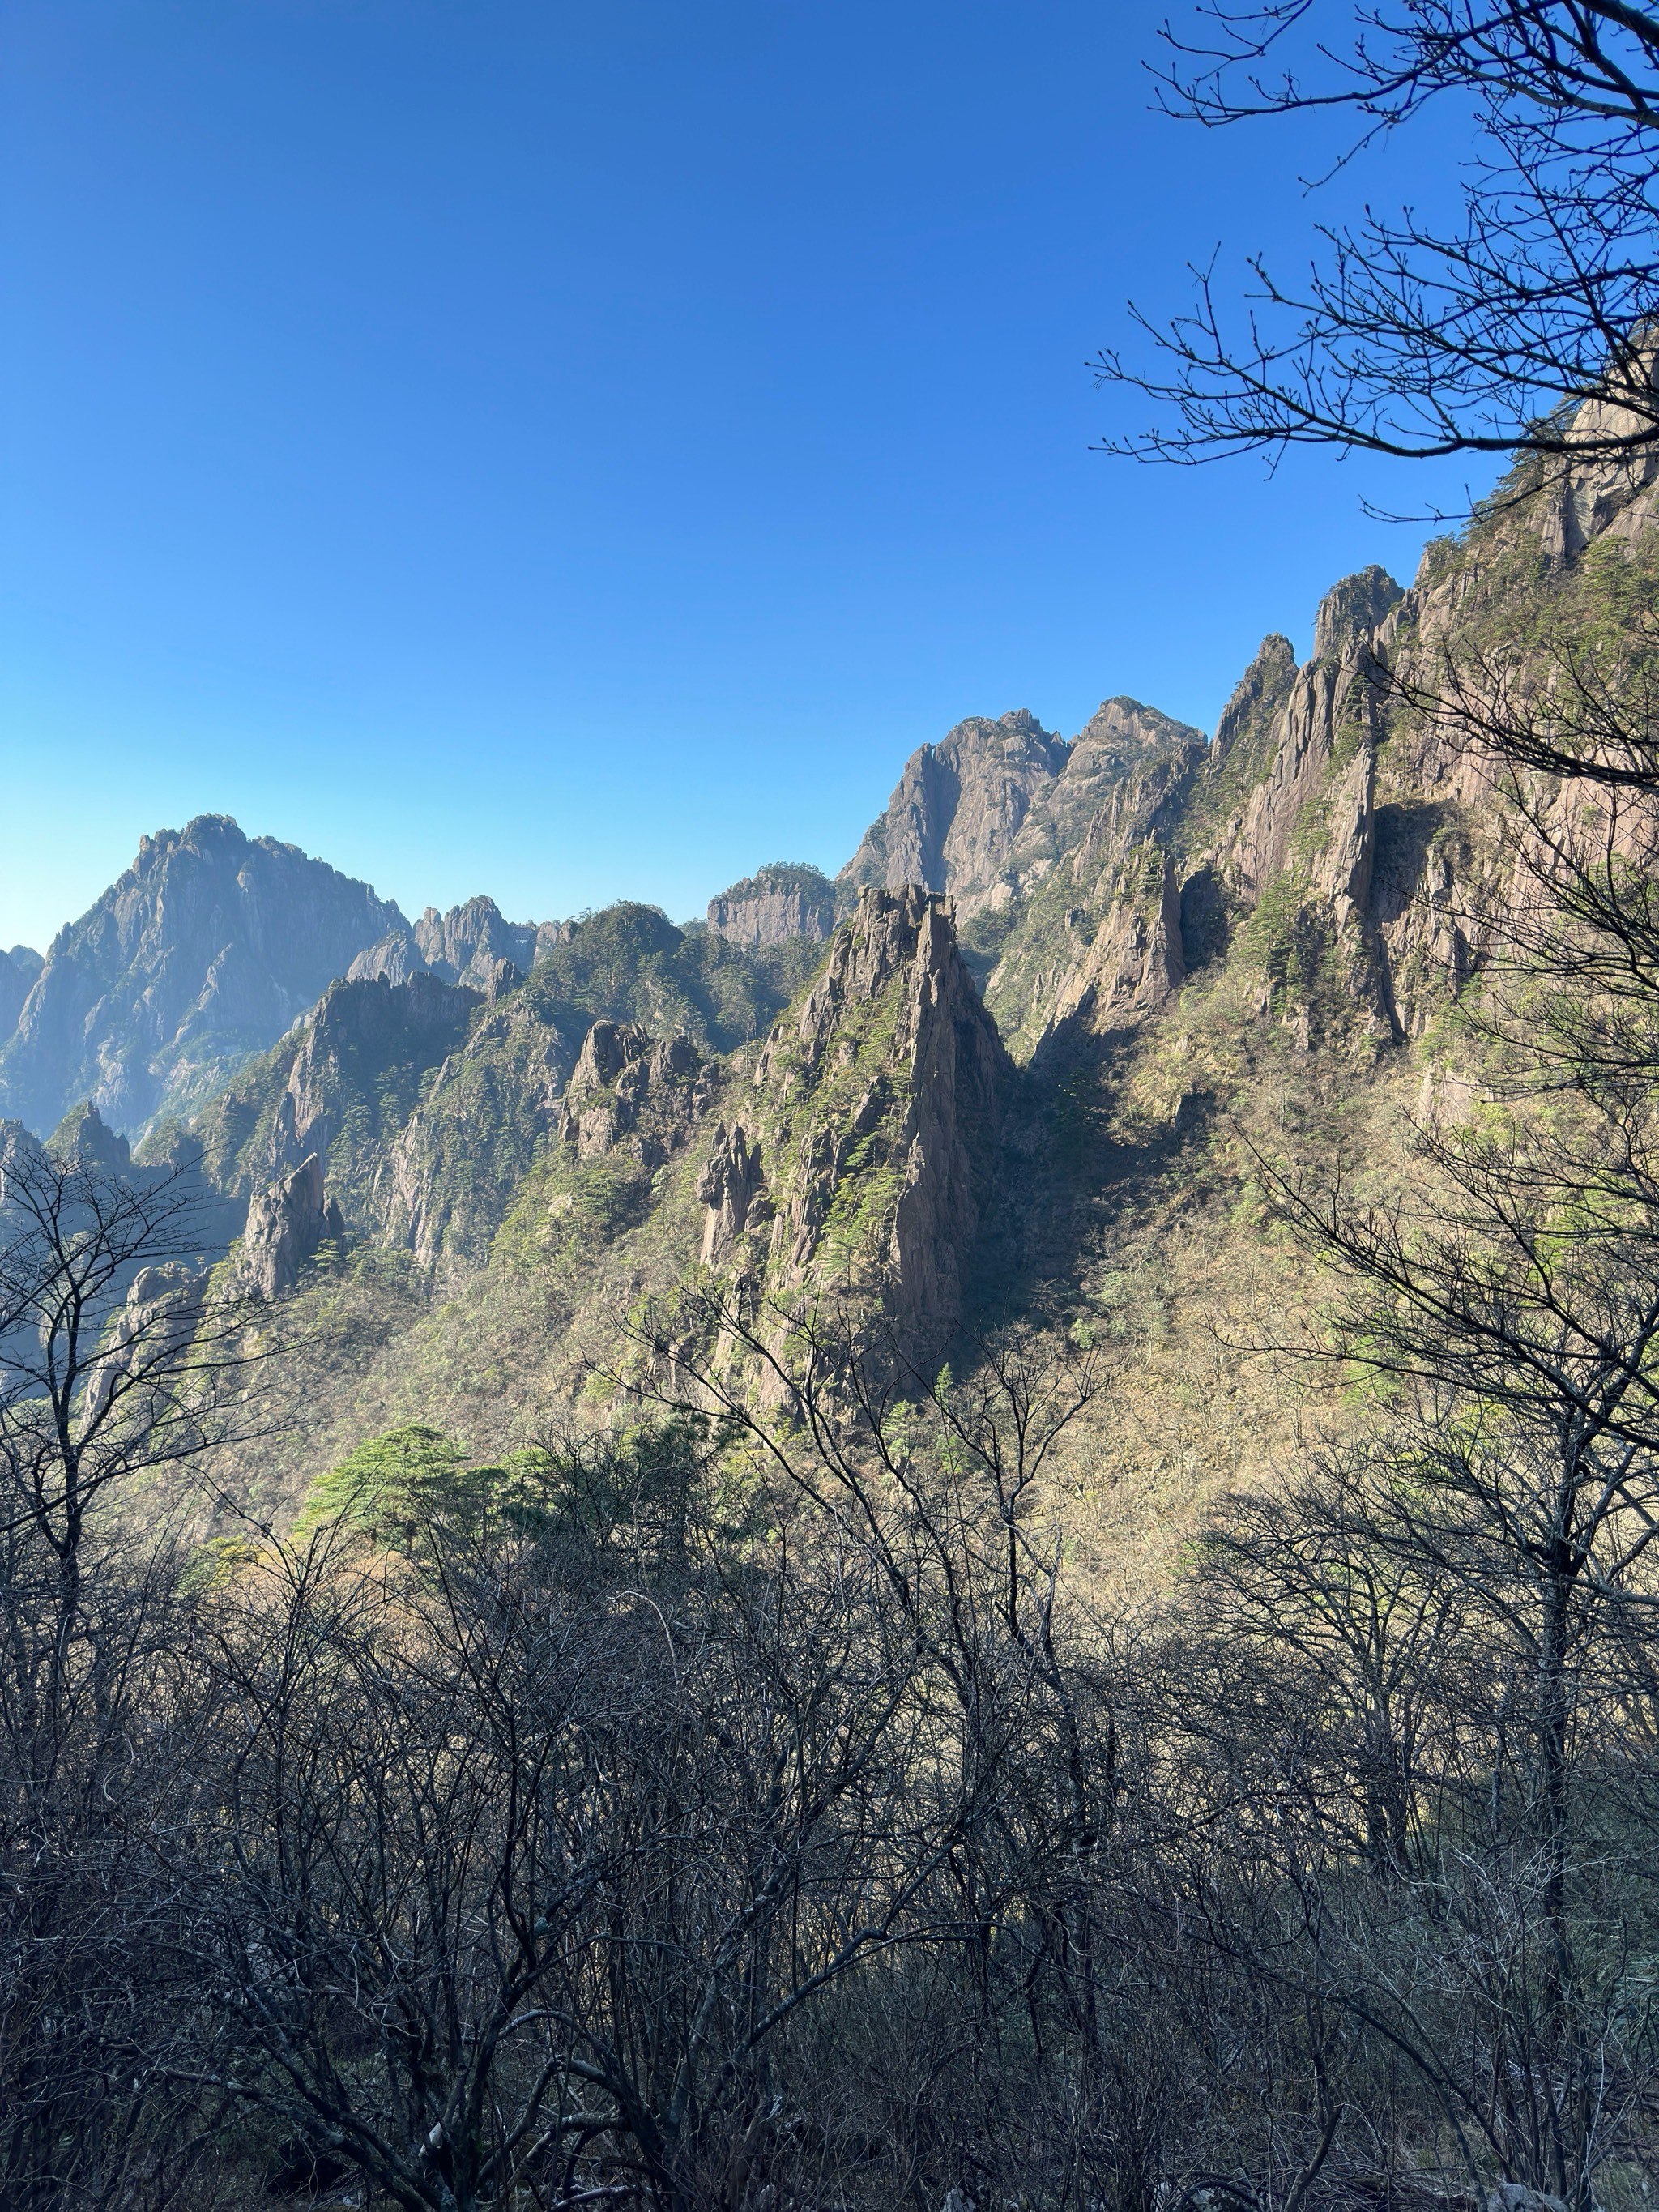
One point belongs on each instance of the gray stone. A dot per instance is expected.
(287, 1227)
(776, 903)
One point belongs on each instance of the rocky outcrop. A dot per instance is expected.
(1352, 610)
(950, 824)
(198, 959)
(287, 1227)
(1127, 765)
(1256, 699)
(992, 813)
(1133, 965)
(857, 1165)
(777, 902)
(727, 1189)
(1341, 867)
(632, 1090)
(1313, 708)
(1097, 940)
(163, 1310)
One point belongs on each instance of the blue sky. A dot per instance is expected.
(578, 453)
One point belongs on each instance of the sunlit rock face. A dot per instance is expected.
(774, 904)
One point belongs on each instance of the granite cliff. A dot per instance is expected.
(776, 903)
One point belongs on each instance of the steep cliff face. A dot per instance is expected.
(341, 1085)
(776, 903)
(855, 1161)
(18, 970)
(1046, 847)
(199, 958)
(1339, 841)
(951, 823)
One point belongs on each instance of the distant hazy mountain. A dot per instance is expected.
(465, 946)
(18, 970)
(201, 955)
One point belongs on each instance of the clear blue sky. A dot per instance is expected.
(577, 452)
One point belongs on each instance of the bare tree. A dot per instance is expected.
(538, 1857)
(118, 1371)
(1487, 335)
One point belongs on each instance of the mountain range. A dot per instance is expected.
(998, 1069)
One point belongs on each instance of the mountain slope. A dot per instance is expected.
(452, 1175)
(200, 955)
(341, 1085)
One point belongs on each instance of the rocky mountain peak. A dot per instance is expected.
(1122, 731)
(200, 955)
(471, 944)
(462, 944)
(1354, 608)
(84, 1135)
(951, 822)
(1263, 683)
(777, 902)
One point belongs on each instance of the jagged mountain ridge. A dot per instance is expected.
(471, 944)
(429, 1102)
(615, 1124)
